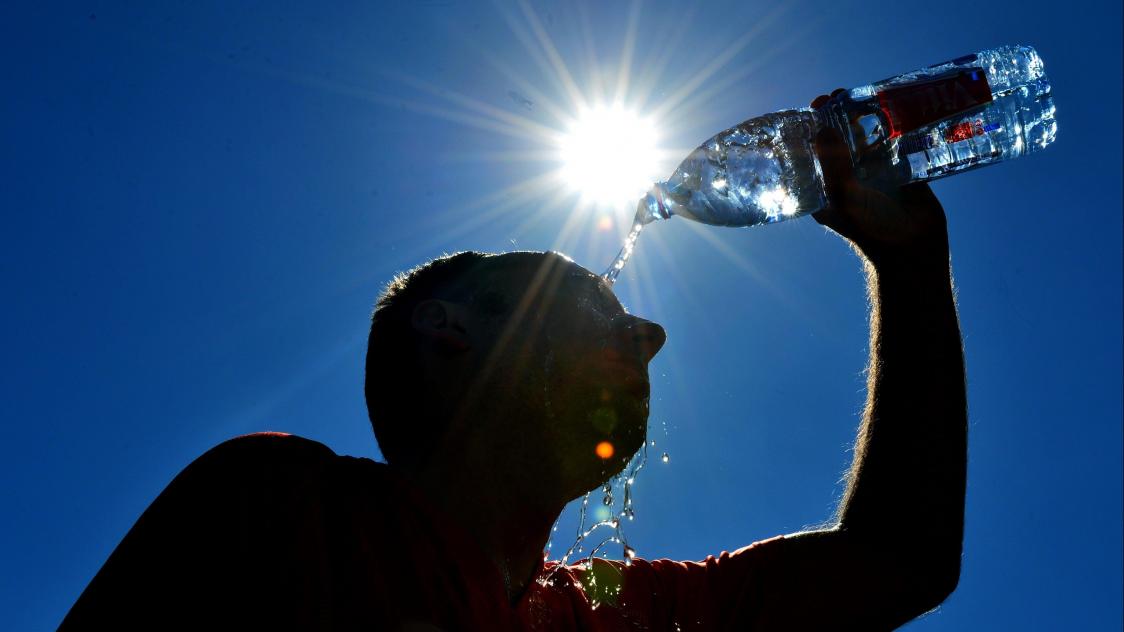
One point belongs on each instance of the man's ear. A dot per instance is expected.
(442, 323)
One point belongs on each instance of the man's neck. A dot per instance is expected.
(511, 528)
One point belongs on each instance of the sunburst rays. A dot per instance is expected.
(545, 103)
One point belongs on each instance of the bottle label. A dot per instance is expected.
(961, 139)
(914, 105)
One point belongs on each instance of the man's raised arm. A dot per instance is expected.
(894, 552)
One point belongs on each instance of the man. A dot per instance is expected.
(500, 388)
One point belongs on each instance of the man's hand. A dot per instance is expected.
(884, 226)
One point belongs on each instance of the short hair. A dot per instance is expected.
(392, 382)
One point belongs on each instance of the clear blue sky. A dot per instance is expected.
(201, 202)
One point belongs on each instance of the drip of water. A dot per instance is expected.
(629, 555)
(665, 457)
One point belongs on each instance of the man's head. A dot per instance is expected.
(525, 361)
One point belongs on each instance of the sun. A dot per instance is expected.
(609, 155)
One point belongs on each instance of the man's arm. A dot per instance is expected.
(906, 484)
(894, 552)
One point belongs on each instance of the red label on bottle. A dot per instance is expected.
(968, 129)
(913, 106)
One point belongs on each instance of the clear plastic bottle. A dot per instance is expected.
(954, 116)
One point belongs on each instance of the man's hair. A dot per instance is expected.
(393, 385)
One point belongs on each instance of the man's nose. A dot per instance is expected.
(642, 337)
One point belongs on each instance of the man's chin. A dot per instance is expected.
(612, 467)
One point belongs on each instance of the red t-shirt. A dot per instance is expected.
(272, 531)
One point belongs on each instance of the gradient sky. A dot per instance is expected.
(201, 202)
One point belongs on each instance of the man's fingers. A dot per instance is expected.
(835, 161)
(823, 98)
(838, 173)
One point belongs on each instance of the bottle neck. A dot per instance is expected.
(655, 205)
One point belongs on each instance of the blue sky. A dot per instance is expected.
(201, 202)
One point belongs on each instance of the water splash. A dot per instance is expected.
(613, 523)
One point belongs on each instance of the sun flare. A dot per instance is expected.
(609, 155)
(580, 136)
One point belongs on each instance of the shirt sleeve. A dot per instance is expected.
(718, 593)
(211, 549)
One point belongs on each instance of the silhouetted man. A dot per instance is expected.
(491, 380)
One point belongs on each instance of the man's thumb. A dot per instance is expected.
(835, 160)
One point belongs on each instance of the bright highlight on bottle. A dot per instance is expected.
(609, 155)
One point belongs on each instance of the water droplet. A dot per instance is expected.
(665, 458)
(629, 553)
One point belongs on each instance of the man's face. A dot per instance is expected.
(567, 365)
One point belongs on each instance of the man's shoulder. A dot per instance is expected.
(269, 446)
(226, 535)
(272, 455)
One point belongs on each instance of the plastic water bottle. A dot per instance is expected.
(948, 118)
